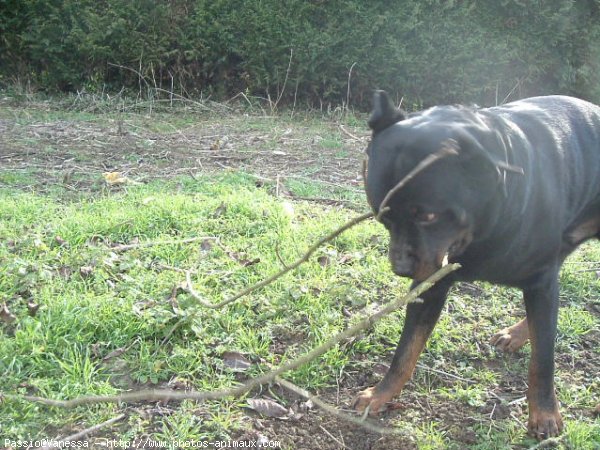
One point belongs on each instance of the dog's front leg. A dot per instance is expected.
(418, 325)
(541, 303)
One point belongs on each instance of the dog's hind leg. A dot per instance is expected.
(512, 338)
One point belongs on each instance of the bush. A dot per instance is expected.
(428, 51)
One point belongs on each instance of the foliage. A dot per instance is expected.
(428, 51)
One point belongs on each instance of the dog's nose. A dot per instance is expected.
(403, 272)
(404, 267)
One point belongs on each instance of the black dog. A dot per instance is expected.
(474, 208)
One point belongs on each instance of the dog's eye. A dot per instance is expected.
(423, 217)
(427, 217)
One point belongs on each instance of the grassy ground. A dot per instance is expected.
(81, 318)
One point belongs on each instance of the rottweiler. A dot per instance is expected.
(519, 194)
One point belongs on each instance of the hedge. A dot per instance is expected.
(425, 51)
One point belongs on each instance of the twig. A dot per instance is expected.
(123, 247)
(333, 410)
(348, 91)
(356, 138)
(287, 73)
(84, 433)
(426, 162)
(336, 440)
(446, 151)
(285, 270)
(151, 395)
(446, 374)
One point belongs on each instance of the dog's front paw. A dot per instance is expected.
(371, 398)
(544, 424)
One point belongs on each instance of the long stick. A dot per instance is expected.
(166, 394)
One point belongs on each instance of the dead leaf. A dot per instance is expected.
(206, 245)
(112, 178)
(267, 407)
(244, 262)
(236, 361)
(32, 307)
(5, 314)
(118, 352)
(324, 260)
(86, 271)
(65, 272)
(220, 210)
(60, 241)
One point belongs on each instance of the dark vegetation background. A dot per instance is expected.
(426, 51)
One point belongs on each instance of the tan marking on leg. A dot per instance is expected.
(376, 397)
(546, 422)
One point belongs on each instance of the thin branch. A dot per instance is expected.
(333, 410)
(446, 151)
(123, 247)
(84, 433)
(153, 395)
(348, 91)
(356, 138)
(283, 271)
(287, 73)
(426, 162)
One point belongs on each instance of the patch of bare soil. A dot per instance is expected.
(69, 152)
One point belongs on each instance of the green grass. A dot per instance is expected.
(107, 322)
(123, 304)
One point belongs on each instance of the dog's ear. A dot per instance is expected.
(384, 112)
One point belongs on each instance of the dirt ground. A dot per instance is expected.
(69, 151)
(74, 154)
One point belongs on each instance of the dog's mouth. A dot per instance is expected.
(444, 258)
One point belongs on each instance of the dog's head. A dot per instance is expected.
(436, 215)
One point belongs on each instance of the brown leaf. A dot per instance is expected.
(236, 361)
(86, 271)
(267, 407)
(117, 352)
(65, 272)
(206, 245)
(220, 210)
(5, 315)
(32, 307)
(245, 262)
(60, 241)
(346, 258)
(324, 260)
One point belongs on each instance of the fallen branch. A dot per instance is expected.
(87, 432)
(426, 162)
(282, 272)
(152, 395)
(333, 410)
(123, 247)
(356, 138)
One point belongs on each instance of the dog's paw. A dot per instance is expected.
(372, 399)
(511, 339)
(544, 424)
